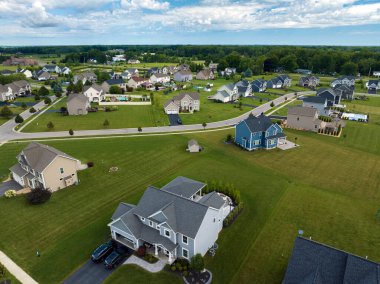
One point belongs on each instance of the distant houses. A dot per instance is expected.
(303, 71)
(11, 91)
(226, 93)
(206, 74)
(133, 61)
(42, 75)
(183, 76)
(114, 82)
(184, 102)
(258, 133)
(78, 104)
(137, 82)
(159, 78)
(304, 118)
(86, 77)
(281, 81)
(343, 80)
(373, 86)
(229, 71)
(309, 82)
(259, 85)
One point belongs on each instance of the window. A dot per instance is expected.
(158, 227)
(151, 223)
(298, 118)
(167, 233)
(184, 239)
(185, 253)
(142, 219)
(257, 142)
(61, 170)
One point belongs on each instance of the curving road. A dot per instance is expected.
(8, 134)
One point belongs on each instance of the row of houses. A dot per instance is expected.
(9, 92)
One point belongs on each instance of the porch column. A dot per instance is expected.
(155, 250)
(170, 256)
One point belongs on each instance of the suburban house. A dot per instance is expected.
(172, 69)
(42, 166)
(78, 104)
(6, 93)
(183, 76)
(133, 61)
(313, 262)
(346, 91)
(244, 88)
(229, 71)
(206, 74)
(213, 66)
(319, 103)
(333, 98)
(274, 83)
(159, 78)
(309, 81)
(65, 70)
(42, 75)
(114, 82)
(176, 221)
(153, 70)
(304, 118)
(94, 93)
(286, 80)
(193, 146)
(183, 67)
(26, 72)
(20, 88)
(52, 69)
(86, 77)
(258, 133)
(303, 71)
(118, 58)
(136, 82)
(226, 93)
(126, 75)
(259, 85)
(184, 102)
(344, 80)
(133, 71)
(373, 86)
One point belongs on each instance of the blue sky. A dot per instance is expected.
(288, 22)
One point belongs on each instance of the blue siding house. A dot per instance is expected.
(258, 133)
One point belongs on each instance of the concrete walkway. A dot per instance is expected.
(15, 270)
(151, 267)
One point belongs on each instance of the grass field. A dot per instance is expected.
(328, 187)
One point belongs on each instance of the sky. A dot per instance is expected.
(244, 22)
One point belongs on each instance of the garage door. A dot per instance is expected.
(172, 112)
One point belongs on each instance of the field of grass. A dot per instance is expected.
(10, 277)
(284, 111)
(328, 187)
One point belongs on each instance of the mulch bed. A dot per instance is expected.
(198, 278)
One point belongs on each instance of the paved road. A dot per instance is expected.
(7, 133)
(11, 184)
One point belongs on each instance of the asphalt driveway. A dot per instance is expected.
(173, 119)
(94, 273)
(11, 184)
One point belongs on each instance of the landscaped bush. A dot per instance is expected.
(32, 110)
(19, 119)
(90, 164)
(150, 258)
(225, 188)
(10, 193)
(233, 215)
(38, 196)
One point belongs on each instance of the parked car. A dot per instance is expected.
(179, 121)
(102, 252)
(113, 260)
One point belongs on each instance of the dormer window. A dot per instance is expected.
(142, 219)
(167, 233)
(151, 223)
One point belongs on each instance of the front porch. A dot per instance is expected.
(162, 253)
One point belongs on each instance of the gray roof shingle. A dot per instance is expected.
(258, 124)
(212, 199)
(184, 186)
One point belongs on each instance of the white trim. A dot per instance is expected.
(187, 240)
(187, 252)
(166, 230)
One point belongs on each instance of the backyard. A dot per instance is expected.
(283, 192)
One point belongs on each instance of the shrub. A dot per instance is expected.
(50, 125)
(185, 274)
(6, 112)
(71, 132)
(10, 193)
(43, 91)
(173, 268)
(272, 104)
(197, 263)
(106, 123)
(139, 129)
(24, 106)
(37, 97)
(38, 196)
(19, 119)
(58, 94)
(32, 110)
(90, 164)
(141, 251)
(47, 101)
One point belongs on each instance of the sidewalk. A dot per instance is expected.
(15, 270)
(151, 267)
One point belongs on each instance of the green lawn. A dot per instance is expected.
(284, 111)
(328, 187)
(9, 276)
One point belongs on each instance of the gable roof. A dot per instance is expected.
(39, 156)
(184, 73)
(115, 81)
(183, 186)
(121, 210)
(258, 124)
(302, 111)
(77, 99)
(212, 199)
(316, 100)
(192, 142)
(313, 262)
(94, 86)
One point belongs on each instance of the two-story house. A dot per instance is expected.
(344, 80)
(304, 118)
(206, 74)
(20, 88)
(183, 76)
(42, 166)
(258, 133)
(86, 77)
(94, 93)
(52, 69)
(244, 88)
(159, 78)
(114, 82)
(259, 85)
(184, 102)
(274, 83)
(176, 221)
(42, 75)
(226, 93)
(136, 82)
(346, 91)
(319, 103)
(309, 81)
(373, 86)
(6, 93)
(333, 98)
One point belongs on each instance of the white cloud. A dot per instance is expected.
(145, 4)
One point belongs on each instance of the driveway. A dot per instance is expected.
(94, 273)
(173, 119)
(11, 184)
